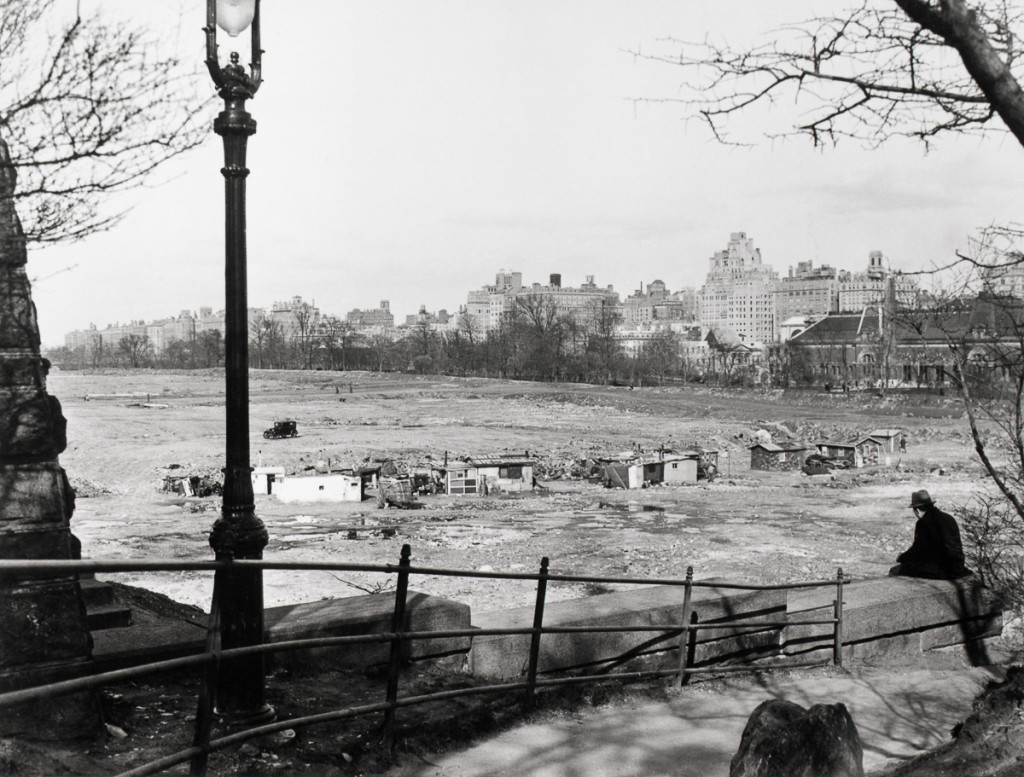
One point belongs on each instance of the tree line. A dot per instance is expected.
(534, 340)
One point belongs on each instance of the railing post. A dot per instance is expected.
(397, 651)
(538, 624)
(684, 638)
(208, 689)
(837, 650)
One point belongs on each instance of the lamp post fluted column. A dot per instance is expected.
(238, 533)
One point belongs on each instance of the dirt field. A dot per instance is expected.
(137, 427)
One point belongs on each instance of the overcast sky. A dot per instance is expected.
(409, 150)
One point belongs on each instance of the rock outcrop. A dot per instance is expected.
(783, 739)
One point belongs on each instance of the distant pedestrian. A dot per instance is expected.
(903, 444)
(936, 552)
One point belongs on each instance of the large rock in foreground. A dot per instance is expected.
(782, 739)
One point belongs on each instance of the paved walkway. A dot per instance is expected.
(899, 714)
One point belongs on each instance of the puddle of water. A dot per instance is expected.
(631, 507)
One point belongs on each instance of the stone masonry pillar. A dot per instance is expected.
(43, 634)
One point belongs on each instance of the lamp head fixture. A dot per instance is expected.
(234, 17)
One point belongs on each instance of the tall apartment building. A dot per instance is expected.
(863, 289)
(739, 292)
(441, 321)
(490, 304)
(487, 304)
(683, 305)
(658, 304)
(295, 316)
(807, 291)
(1005, 281)
(161, 332)
(379, 319)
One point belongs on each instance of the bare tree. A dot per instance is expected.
(382, 346)
(544, 332)
(268, 342)
(135, 350)
(338, 338)
(88, 110)
(915, 68)
(604, 351)
(660, 355)
(305, 332)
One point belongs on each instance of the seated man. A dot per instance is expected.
(936, 552)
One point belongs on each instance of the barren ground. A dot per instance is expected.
(747, 525)
(137, 427)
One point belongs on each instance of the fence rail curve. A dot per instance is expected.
(212, 657)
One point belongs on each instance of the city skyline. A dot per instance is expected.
(197, 310)
(441, 144)
(756, 304)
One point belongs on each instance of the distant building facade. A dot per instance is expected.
(490, 305)
(379, 319)
(862, 289)
(807, 291)
(739, 292)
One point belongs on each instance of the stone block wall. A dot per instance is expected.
(43, 636)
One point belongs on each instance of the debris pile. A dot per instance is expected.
(193, 485)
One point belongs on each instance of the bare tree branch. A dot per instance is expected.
(911, 68)
(87, 112)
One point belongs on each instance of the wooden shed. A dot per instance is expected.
(890, 438)
(486, 474)
(859, 452)
(777, 456)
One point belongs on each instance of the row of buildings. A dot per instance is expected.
(289, 317)
(741, 295)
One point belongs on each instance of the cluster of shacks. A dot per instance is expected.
(878, 447)
(663, 467)
(480, 475)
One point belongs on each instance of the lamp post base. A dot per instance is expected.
(240, 719)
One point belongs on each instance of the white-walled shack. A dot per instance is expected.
(335, 487)
(264, 478)
(679, 467)
(487, 474)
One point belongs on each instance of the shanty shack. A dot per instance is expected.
(890, 438)
(637, 472)
(333, 487)
(264, 478)
(707, 464)
(859, 452)
(486, 474)
(680, 467)
(777, 456)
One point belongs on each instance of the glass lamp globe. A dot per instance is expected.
(233, 16)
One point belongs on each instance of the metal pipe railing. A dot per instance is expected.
(212, 656)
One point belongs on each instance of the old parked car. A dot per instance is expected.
(281, 429)
(818, 464)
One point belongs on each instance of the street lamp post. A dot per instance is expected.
(238, 533)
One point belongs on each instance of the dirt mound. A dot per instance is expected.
(85, 488)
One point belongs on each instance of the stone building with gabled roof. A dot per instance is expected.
(777, 456)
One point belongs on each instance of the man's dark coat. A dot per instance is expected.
(937, 552)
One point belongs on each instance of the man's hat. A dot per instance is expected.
(921, 499)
